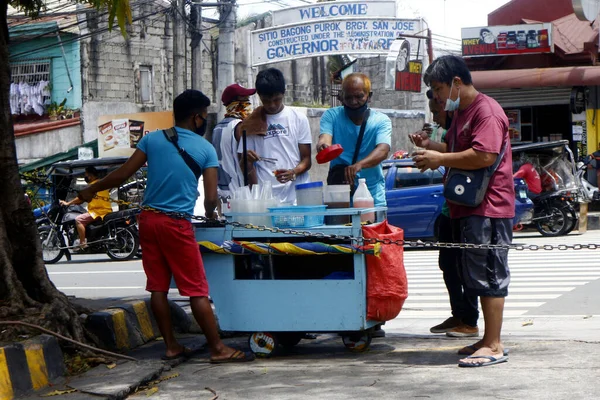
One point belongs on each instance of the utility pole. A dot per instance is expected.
(179, 48)
(226, 51)
(196, 45)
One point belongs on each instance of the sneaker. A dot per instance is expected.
(463, 330)
(446, 326)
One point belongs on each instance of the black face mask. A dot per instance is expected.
(87, 179)
(202, 130)
(355, 113)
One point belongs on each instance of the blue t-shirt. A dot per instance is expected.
(335, 122)
(171, 184)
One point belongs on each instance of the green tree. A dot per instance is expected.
(26, 292)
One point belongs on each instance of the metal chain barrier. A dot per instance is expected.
(319, 235)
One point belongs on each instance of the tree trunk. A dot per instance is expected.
(26, 292)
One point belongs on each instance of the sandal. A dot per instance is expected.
(235, 357)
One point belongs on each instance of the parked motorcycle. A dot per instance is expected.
(587, 191)
(116, 234)
(554, 213)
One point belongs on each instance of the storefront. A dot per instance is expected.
(547, 104)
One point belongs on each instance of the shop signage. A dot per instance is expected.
(372, 36)
(507, 40)
(410, 79)
(577, 100)
(85, 153)
(332, 10)
(118, 135)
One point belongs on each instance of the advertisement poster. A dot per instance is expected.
(514, 124)
(409, 80)
(507, 40)
(118, 135)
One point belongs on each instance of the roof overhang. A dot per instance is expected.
(537, 77)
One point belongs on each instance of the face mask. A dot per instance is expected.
(450, 104)
(87, 180)
(355, 113)
(202, 130)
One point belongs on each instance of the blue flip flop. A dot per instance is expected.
(493, 360)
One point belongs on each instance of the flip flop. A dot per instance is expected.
(236, 357)
(474, 349)
(186, 353)
(493, 360)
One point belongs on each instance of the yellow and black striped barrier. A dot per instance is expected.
(29, 365)
(130, 325)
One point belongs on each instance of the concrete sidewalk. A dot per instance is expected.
(550, 358)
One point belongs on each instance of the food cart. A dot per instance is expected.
(279, 286)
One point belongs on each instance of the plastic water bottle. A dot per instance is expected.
(363, 199)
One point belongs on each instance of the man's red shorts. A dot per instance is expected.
(169, 248)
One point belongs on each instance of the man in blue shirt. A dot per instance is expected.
(341, 125)
(166, 233)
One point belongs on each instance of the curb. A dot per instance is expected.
(593, 222)
(29, 365)
(130, 325)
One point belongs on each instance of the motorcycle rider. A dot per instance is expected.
(98, 207)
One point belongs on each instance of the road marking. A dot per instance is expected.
(445, 314)
(536, 279)
(546, 296)
(508, 304)
(512, 284)
(94, 272)
(442, 289)
(98, 287)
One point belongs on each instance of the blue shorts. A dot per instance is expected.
(485, 272)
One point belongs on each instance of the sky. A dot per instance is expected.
(445, 17)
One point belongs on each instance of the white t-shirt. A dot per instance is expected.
(285, 131)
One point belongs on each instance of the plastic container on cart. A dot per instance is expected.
(363, 199)
(290, 217)
(309, 194)
(337, 196)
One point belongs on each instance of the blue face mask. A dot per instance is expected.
(452, 105)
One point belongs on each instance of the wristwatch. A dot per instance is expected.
(293, 178)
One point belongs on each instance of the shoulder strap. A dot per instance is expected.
(361, 133)
(499, 158)
(171, 136)
(496, 163)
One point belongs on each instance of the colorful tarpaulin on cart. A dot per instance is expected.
(285, 249)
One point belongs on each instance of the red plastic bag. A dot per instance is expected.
(387, 287)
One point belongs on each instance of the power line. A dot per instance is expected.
(80, 37)
(83, 20)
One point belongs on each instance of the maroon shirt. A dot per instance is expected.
(483, 126)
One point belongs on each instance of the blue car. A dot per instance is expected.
(415, 198)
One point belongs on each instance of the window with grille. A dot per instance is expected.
(30, 86)
(146, 88)
(30, 71)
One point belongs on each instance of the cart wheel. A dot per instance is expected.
(263, 344)
(358, 342)
(289, 339)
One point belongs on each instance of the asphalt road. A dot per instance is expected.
(543, 282)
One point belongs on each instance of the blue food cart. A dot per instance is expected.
(279, 286)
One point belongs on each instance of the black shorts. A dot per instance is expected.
(485, 272)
